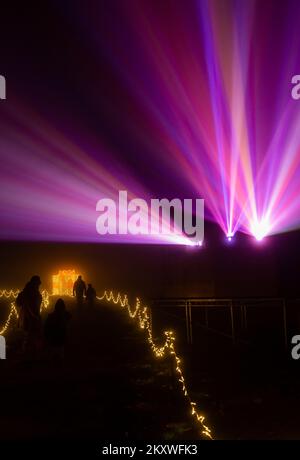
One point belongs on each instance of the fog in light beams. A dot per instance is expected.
(192, 98)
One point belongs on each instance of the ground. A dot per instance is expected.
(109, 386)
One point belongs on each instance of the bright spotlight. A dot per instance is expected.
(229, 236)
(260, 229)
(197, 243)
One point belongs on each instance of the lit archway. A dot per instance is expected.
(62, 283)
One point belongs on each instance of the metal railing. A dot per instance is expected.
(238, 309)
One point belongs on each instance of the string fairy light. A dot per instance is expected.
(141, 313)
(13, 312)
(8, 294)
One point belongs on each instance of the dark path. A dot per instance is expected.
(109, 387)
(250, 391)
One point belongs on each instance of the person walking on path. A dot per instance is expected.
(79, 290)
(29, 304)
(55, 329)
(91, 296)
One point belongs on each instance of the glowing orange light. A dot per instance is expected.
(62, 283)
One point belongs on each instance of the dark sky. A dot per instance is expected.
(47, 56)
(56, 58)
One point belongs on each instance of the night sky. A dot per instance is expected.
(164, 99)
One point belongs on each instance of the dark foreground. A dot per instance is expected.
(109, 386)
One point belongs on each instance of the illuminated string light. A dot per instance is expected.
(13, 313)
(8, 294)
(142, 315)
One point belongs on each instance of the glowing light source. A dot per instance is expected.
(195, 245)
(230, 235)
(260, 229)
(62, 283)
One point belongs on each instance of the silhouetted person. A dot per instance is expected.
(79, 290)
(56, 328)
(91, 296)
(29, 303)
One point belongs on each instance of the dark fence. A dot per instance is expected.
(239, 319)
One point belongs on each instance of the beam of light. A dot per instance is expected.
(50, 186)
(210, 104)
(260, 229)
(230, 236)
(218, 97)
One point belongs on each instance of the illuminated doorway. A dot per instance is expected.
(62, 283)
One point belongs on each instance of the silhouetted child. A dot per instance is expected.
(91, 296)
(56, 328)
